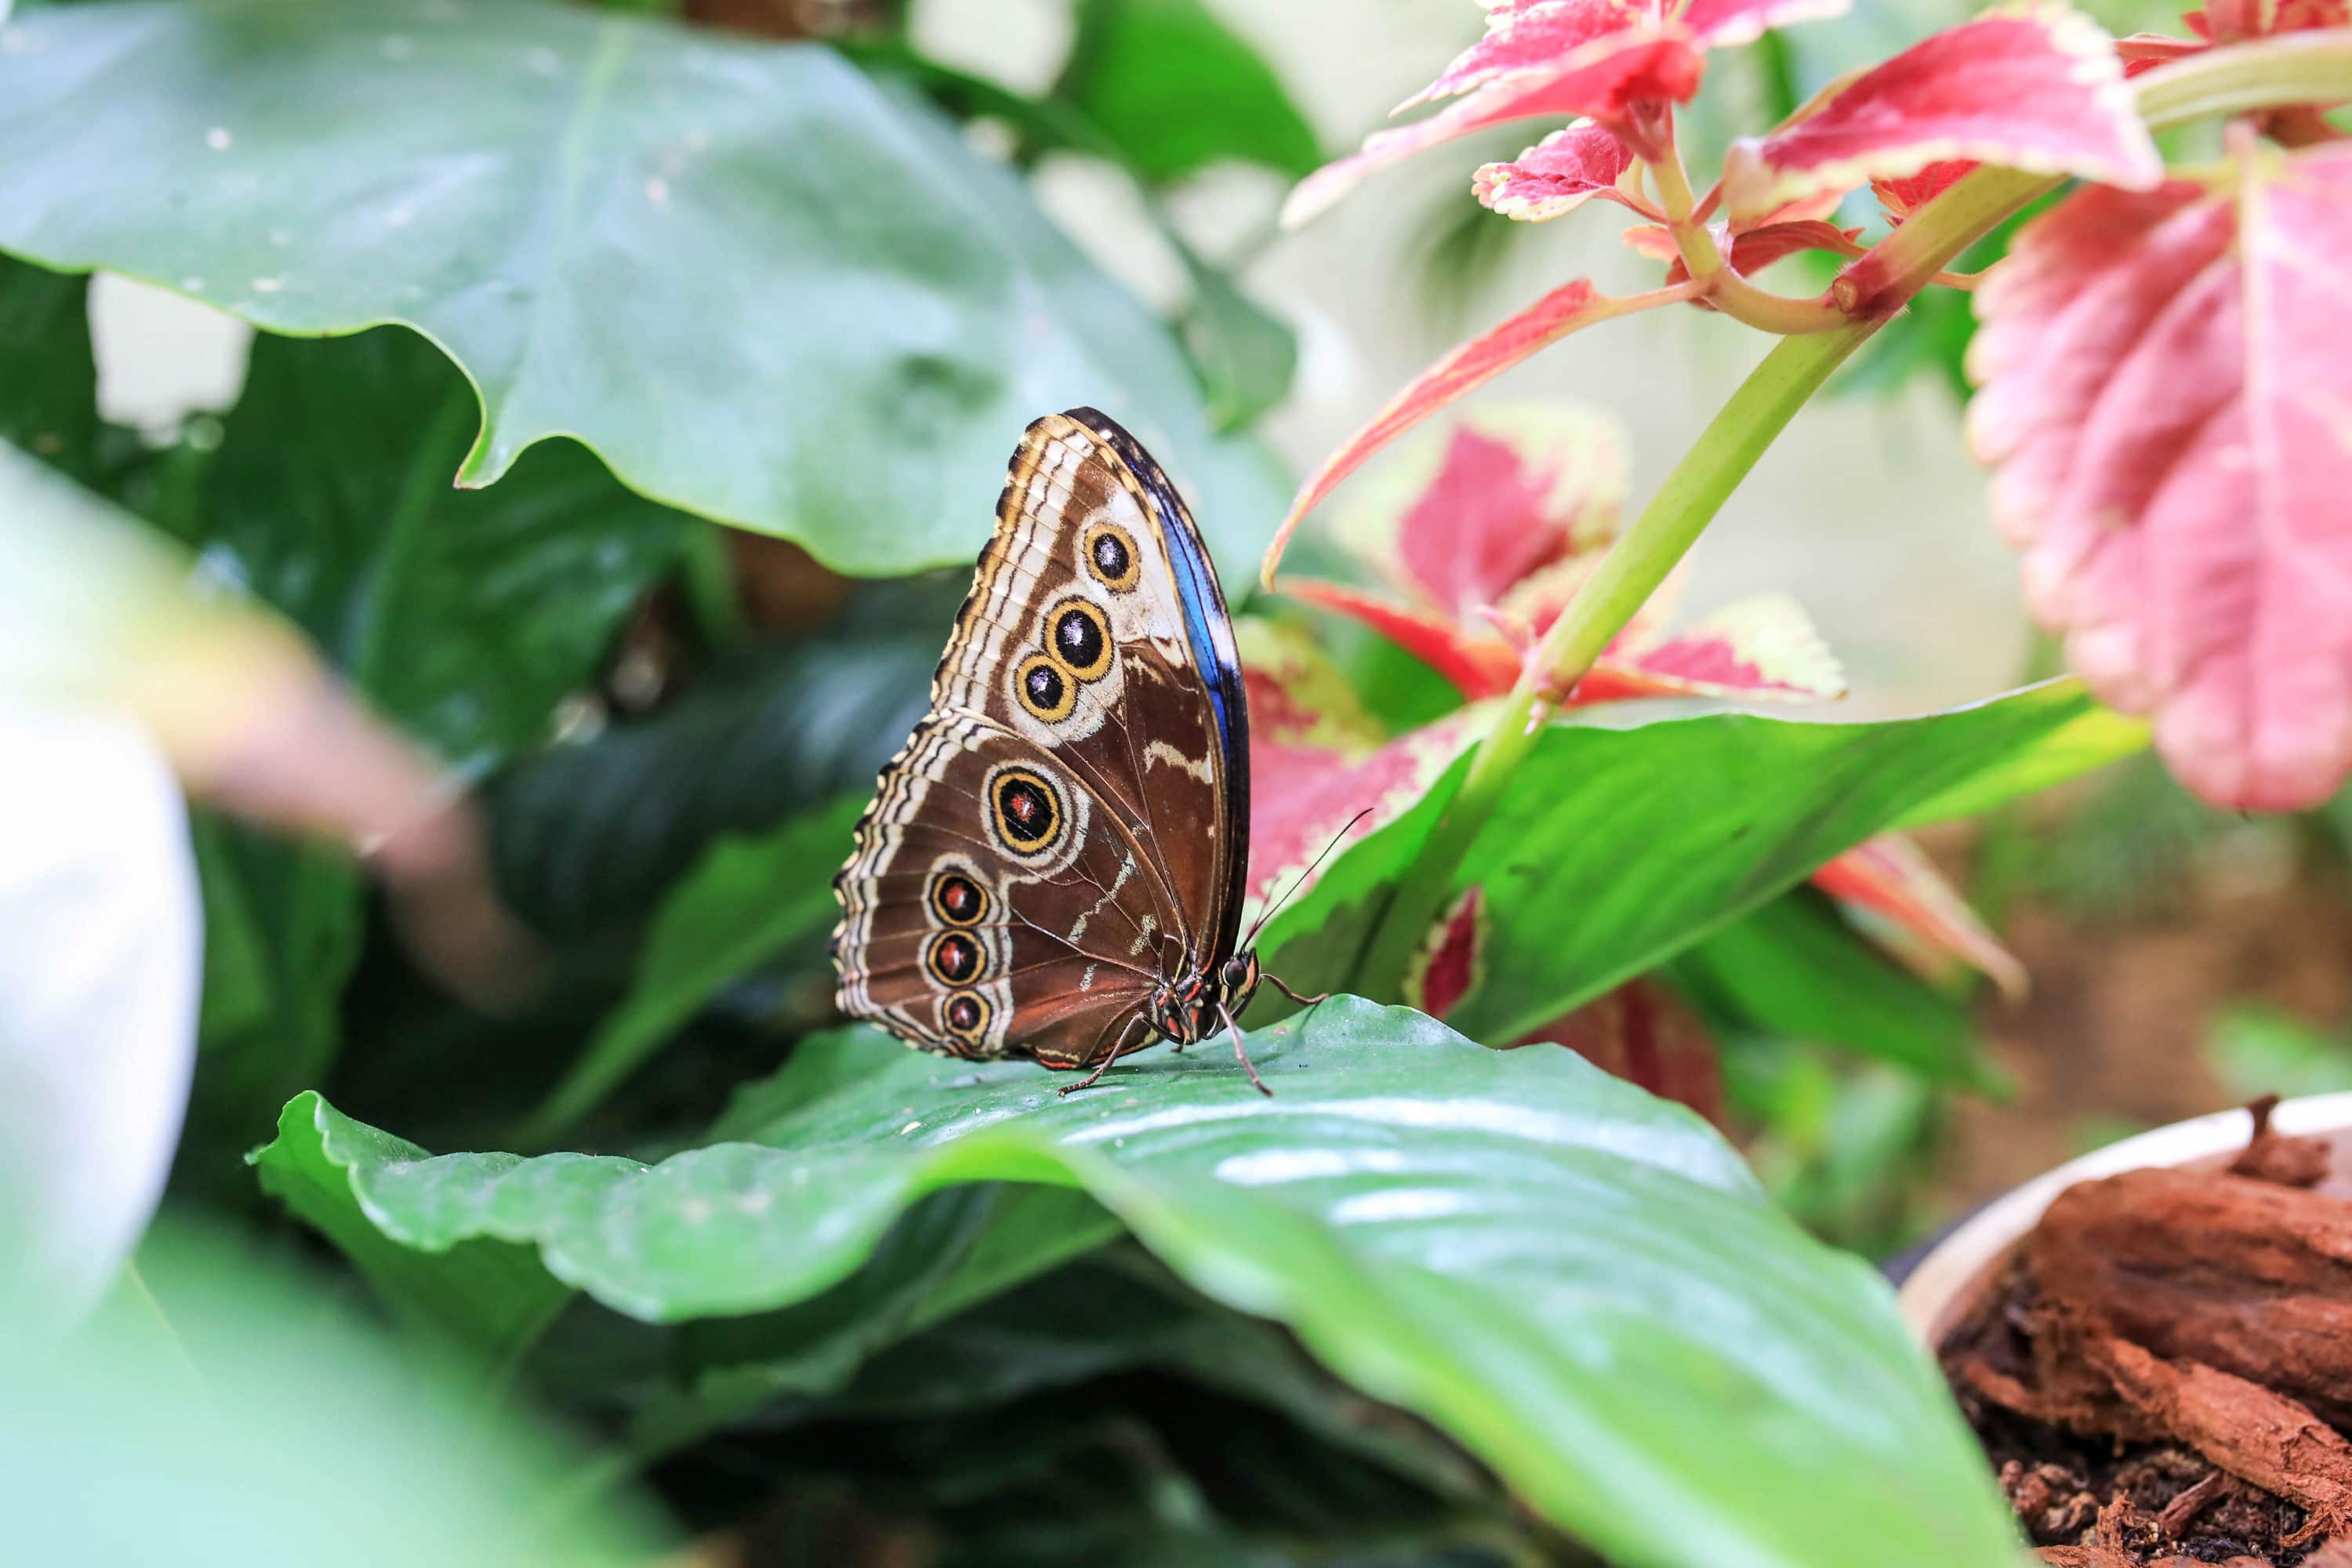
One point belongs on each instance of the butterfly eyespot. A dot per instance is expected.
(953, 959)
(957, 900)
(1110, 557)
(966, 1016)
(1078, 635)
(1043, 691)
(1027, 809)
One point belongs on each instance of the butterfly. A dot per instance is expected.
(1052, 866)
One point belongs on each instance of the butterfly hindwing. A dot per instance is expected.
(1066, 827)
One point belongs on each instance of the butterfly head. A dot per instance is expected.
(1195, 1007)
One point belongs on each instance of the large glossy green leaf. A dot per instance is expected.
(465, 615)
(1579, 1282)
(1624, 838)
(763, 287)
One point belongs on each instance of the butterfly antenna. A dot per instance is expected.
(1299, 881)
(1235, 1030)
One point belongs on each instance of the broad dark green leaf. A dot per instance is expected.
(488, 1298)
(762, 286)
(1579, 1283)
(1793, 969)
(1175, 90)
(748, 900)
(465, 615)
(1624, 838)
(49, 395)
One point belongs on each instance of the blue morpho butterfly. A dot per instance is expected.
(1052, 866)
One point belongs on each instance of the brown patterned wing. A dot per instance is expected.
(1066, 830)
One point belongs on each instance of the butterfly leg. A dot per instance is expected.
(1235, 1030)
(1116, 1046)
(1275, 981)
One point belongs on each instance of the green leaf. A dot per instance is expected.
(1792, 968)
(1175, 90)
(2257, 1050)
(1626, 837)
(2093, 738)
(488, 1297)
(596, 832)
(747, 901)
(237, 1421)
(49, 399)
(466, 614)
(1579, 1283)
(1245, 355)
(762, 286)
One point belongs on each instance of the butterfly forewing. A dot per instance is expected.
(1064, 831)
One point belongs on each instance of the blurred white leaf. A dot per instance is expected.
(101, 956)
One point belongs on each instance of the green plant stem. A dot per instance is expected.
(2293, 68)
(1726, 290)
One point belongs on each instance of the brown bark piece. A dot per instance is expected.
(2242, 1426)
(2245, 1275)
(2092, 1556)
(2273, 1156)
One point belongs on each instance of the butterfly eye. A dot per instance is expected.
(1028, 812)
(957, 900)
(953, 958)
(1043, 690)
(1079, 637)
(966, 1016)
(1110, 557)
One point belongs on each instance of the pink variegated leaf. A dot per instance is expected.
(1726, 24)
(1542, 39)
(1890, 878)
(2235, 21)
(1565, 309)
(1642, 1034)
(2146, 51)
(1559, 175)
(1298, 698)
(2034, 86)
(1903, 194)
(1763, 646)
(2167, 394)
(1504, 504)
(1316, 759)
(1601, 82)
(1303, 799)
(1654, 241)
(1475, 659)
(1451, 958)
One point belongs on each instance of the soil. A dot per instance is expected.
(2162, 1373)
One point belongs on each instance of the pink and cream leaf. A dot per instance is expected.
(1475, 659)
(1763, 646)
(1726, 23)
(2034, 86)
(1890, 878)
(1566, 309)
(2166, 394)
(1449, 963)
(1600, 87)
(1560, 173)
